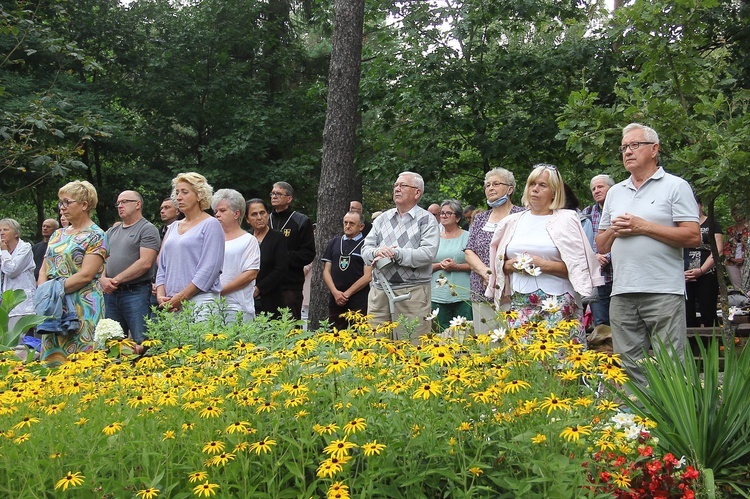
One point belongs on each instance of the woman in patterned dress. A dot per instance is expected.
(76, 253)
(499, 184)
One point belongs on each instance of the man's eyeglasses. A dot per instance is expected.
(64, 203)
(495, 184)
(125, 201)
(403, 185)
(275, 194)
(447, 213)
(633, 146)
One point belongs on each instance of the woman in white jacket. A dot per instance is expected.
(16, 268)
(543, 263)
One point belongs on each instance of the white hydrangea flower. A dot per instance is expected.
(106, 330)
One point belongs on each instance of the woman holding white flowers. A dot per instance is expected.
(543, 263)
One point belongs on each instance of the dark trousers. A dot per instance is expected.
(356, 302)
(702, 295)
(292, 299)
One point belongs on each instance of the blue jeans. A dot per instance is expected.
(130, 307)
(600, 308)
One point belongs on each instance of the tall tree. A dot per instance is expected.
(337, 177)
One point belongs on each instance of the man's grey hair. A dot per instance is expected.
(54, 223)
(504, 174)
(602, 176)
(359, 216)
(455, 206)
(233, 198)
(649, 134)
(418, 180)
(286, 186)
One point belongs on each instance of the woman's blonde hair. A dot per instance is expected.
(555, 182)
(199, 185)
(82, 192)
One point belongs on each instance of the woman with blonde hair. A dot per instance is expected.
(543, 264)
(192, 253)
(76, 255)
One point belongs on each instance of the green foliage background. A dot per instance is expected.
(127, 95)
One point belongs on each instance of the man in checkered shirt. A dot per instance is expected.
(409, 236)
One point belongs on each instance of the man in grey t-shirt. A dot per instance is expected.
(646, 221)
(126, 279)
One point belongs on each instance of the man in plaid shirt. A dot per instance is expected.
(600, 184)
(408, 236)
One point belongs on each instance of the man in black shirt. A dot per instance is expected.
(345, 273)
(298, 231)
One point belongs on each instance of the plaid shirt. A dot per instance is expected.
(594, 213)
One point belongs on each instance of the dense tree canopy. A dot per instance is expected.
(127, 95)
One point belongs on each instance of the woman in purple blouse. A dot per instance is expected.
(499, 184)
(192, 253)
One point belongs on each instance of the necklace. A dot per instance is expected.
(270, 219)
(345, 260)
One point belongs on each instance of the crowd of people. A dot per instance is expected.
(638, 258)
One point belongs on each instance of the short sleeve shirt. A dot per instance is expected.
(642, 264)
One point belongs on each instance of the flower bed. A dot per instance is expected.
(335, 413)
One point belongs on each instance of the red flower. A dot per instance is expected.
(690, 473)
(689, 494)
(604, 476)
(645, 451)
(653, 467)
(670, 460)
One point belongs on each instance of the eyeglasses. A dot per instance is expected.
(125, 201)
(447, 213)
(403, 185)
(487, 185)
(633, 146)
(275, 194)
(64, 203)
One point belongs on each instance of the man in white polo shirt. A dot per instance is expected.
(646, 221)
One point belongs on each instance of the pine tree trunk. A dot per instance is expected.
(337, 177)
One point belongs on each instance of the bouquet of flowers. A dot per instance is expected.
(524, 263)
